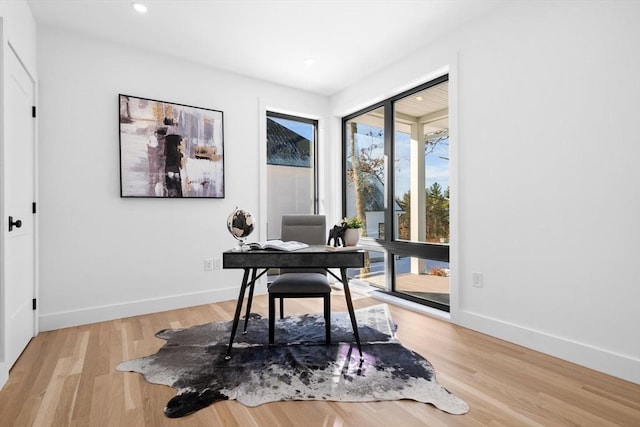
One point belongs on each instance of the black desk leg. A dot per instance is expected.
(236, 317)
(252, 286)
(352, 314)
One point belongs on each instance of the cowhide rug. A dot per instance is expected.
(298, 367)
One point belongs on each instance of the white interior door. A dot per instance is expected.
(19, 197)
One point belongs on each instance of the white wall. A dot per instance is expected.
(102, 256)
(548, 186)
(17, 32)
(20, 31)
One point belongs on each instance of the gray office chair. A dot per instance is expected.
(301, 283)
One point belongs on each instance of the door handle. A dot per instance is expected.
(12, 223)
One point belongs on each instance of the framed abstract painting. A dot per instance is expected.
(170, 150)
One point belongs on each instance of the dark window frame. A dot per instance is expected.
(388, 243)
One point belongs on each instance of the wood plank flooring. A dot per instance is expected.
(67, 378)
(409, 282)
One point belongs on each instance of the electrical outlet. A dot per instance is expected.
(476, 279)
(208, 264)
(217, 263)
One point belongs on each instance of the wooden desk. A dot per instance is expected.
(311, 257)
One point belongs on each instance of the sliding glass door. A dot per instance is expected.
(396, 163)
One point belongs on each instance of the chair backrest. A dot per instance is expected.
(309, 229)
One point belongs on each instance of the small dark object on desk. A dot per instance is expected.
(337, 234)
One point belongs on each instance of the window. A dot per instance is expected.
(291, 168)
(365, 170)
(396, 179)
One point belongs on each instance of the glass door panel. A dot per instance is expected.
(422, 279)
(421, 193)
(421, 166)
(373, 272)
(291, 170)
(365, 170)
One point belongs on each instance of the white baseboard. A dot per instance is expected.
(66, 319)
(617, 365)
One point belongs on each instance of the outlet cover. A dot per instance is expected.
(477, 279)
(208, 264)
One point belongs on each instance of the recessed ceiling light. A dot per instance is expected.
(309, 62)
(139, 7)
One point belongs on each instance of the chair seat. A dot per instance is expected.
(300, 283)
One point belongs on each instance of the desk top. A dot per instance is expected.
(311, 257)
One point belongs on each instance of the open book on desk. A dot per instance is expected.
(342, 248)
(278, 245)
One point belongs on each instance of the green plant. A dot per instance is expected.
(352, 222)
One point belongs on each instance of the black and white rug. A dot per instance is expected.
(298, 367)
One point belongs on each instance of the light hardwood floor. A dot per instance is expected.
(67, 377)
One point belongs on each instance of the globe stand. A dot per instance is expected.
(241, 246)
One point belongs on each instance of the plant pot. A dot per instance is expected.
(351, 236)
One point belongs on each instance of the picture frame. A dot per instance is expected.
(170, 150)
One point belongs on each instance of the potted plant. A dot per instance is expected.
(352, 233)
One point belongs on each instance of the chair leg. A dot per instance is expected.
(272, 318)
(327, 318)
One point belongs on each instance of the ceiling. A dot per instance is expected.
(271, 39)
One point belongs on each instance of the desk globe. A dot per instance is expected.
(240, 225)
